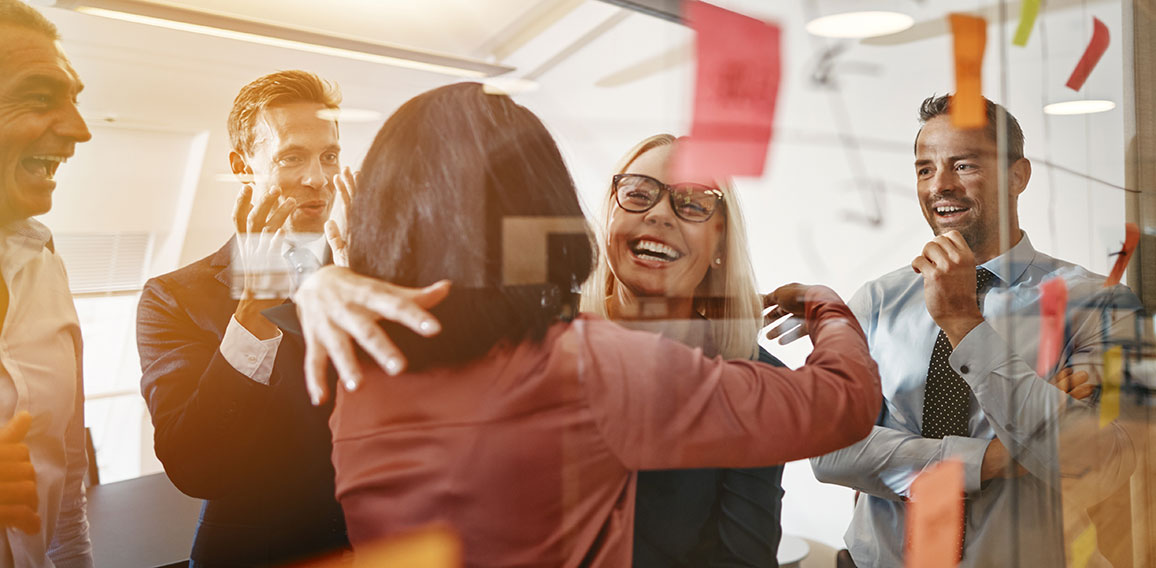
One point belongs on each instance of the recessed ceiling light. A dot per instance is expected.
(858, 25)
(349, 115)
(1079, 107)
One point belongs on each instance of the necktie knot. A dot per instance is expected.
(303, 263)
(983, 278)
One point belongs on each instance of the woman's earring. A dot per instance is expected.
(718, 261)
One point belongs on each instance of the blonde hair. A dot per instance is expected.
(732, 304)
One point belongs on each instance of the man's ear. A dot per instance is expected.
(240, 167)
(1018, 175)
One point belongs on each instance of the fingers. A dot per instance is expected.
(242, 207)
(17, 471)
(404, 306)
(345, 184)
(280, 215)
(19, 493)
(16, 428)
(20, 517)
(1082, 392)
(336, 240)
(960, 243)
(316, 366)
(789, 298)
(260, 213)
(795, 334)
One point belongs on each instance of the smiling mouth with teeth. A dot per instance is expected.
(949, 210)
(43, 166)
(653, 250)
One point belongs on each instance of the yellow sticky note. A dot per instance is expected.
(1083, 547)
(1028, 12)
(1112, 377)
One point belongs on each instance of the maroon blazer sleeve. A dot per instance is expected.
(662, 405)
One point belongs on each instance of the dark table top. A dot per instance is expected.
(143, 522)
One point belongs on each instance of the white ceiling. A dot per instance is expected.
(153, 83)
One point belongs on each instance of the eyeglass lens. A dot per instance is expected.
(690, 202)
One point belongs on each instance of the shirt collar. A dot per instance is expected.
(31, 232)
(1011, 265)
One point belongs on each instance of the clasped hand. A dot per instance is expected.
(948, 269)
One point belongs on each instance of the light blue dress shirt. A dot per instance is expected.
(1010, 522)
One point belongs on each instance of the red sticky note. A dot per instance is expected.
(935, 517)
(736, 84)
(1131, 239)
(1053, 307)
(967, 106)
(1092, 55)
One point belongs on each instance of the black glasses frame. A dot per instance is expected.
(718, 196)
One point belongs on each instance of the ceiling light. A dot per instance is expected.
(1079, 107)
(350, 115)
(858, 25)
(229, 27)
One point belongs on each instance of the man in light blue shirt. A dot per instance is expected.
(956, 336)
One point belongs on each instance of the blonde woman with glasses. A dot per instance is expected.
(674, 261)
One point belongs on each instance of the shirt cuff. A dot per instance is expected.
(981, 351)
(250, 356)
(970, 451)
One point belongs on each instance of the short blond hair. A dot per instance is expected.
(282, 87)
(732, 302)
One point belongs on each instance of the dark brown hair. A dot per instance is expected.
(282, 87)
(21, 15)
(443, 174)
(934, 106)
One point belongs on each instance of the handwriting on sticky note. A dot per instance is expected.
(970, 38)
(1092, 54)
(1028, 12)
(1131, 239)
(1110, 380)
(935, 517)
(1083, 547)
(1053, 310)
(736, 85)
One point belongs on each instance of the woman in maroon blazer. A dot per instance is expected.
(522, 428)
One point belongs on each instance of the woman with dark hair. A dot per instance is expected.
(518, 426)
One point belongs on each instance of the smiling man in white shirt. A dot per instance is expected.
(42, 502)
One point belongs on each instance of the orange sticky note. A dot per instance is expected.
(1131, 239)
(434, 546)
(1110, 380)
(935, 517)
(736, 84)
(1053, 307)
(967, 107)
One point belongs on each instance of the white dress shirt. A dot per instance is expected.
(254, 357)
(1010, 522)
(40, 372)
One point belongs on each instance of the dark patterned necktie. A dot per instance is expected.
(946, 394)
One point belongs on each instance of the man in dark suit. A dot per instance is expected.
(225, 388)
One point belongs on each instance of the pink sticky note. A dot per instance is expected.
(736, 84)
(1053, 307)
(1131, 239)
(935, 517)
(1095, 50)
